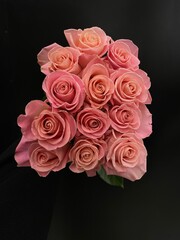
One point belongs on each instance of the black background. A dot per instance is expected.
(71, 206)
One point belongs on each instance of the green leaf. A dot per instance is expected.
(111, 179)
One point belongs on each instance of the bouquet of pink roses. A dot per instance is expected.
(94, 116)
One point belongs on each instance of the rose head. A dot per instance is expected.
(54, 129)
(55, 57)
(123, 53)
(90, 40)
(86, 155)
(32, 110)
(92, 122)
(44, 161)
(130, 87)
(64, 91)
(131, 118)
(126, 157)
(98, 85)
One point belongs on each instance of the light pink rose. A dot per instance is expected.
(123, 53)
(64, 91)
(92, 122)
(44, 161)
(55, 57)
(98, 85)
(130, 87)
(90, 40)
(126, 156)
(87, 155)
(131, 118)
(54, 129)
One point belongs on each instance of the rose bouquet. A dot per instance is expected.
(94, 116)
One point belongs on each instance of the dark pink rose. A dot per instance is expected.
(90, 40)
(123, 53)
(92, 122)
(131, 118)
(86, 155)
(55, 57)
(44, 161)
(64, 91)
(98, 85)
(54, 129)
(130, 87)
(126, 156)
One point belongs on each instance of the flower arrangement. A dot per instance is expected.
(94, 116)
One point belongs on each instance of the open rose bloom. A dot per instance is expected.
(94, 116)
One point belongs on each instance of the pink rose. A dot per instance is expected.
(54, 129)
(86, 155)
(64, 91)
(123, 53)
(90, 40)
(44, 161)
(131, 118)
(130, 87)
(92, 123)
(126, 157)
(55, 57)
(98, 85)
(32, 110)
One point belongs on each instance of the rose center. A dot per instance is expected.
(62, 88)
(122, 55)
(61, 59)
(128, 154)
(98, 86)
(129, 88)
(93, 123)
(126, 116)
(49, 126)
(90, 39)
(86, 155)
(42, 157)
